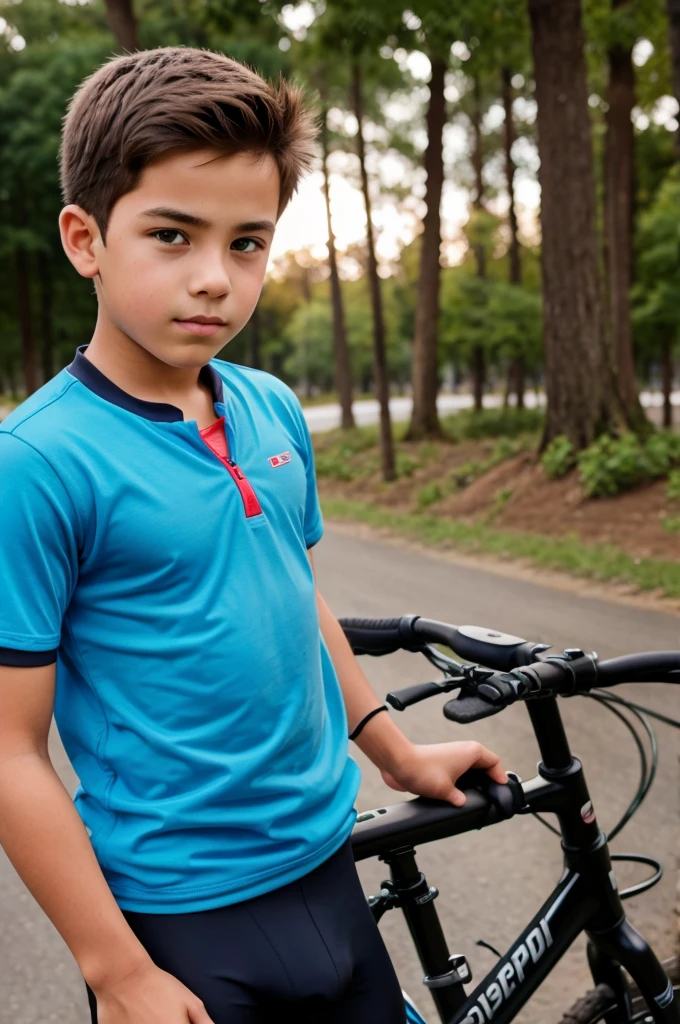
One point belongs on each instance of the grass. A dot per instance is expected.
(354, 454)
(602, 562)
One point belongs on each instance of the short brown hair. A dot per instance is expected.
(137, 107)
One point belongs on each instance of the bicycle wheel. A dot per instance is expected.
(593, 1006)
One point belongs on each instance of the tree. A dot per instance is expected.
(619, 160)
(424, 418)
(343, 368)
(123, 23)
(674, 39)
(516, 366)
(581, 392)
(381, 377)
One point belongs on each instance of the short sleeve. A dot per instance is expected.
(313, 526)
(38, 554)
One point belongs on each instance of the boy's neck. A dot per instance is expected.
(140, 374)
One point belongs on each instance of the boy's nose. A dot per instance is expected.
(211, 279)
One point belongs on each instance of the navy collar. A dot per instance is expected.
(88, 374)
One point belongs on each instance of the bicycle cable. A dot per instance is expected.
(645, 772)
(647, 775)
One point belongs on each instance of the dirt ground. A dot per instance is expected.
(516, 495)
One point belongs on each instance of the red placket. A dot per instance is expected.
(216, 440)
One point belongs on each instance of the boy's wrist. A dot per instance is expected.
(102, 972)
(383, 742)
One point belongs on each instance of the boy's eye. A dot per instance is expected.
(248, 241)
(170, 236)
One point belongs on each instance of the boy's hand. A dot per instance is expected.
(432, 769)
(149, 996)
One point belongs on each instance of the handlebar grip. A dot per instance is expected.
(652, 667)
(381, 636)
(402, 699)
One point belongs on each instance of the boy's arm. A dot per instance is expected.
(427, 770)
(45, 839)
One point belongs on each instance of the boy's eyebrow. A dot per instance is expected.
(198, 222)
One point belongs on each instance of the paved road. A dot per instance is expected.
(492, 881)
(326, 417)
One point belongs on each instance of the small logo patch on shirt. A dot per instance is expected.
(279, 460)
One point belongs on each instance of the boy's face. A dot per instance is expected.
(190, 241)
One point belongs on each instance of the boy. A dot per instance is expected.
(157, 510)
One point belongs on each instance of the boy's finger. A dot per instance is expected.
(492, 763)
(457, 797)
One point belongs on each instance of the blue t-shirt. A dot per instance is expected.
(195, 696)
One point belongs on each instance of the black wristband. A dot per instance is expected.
(367, 718)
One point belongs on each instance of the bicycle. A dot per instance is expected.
(503, 669)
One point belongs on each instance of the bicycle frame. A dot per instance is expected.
(585, 899)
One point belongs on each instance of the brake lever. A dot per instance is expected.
(402, 699)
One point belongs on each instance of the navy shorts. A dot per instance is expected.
(308, 952)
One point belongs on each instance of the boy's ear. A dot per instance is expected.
(80, 238)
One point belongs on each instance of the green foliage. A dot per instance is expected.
(656, 295)
(429, 493)
(470, 425)
(505, 320)
(467, 472)
(673, 489)
(611, 465)
(500, 499)
(559, 457)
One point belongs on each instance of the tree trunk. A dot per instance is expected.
(618, 211)
(516, 370)
(508, 139)
(667, 381)
(674, 36)
(343, 369)
(478, 376)
(478, 353)
(121, 18)
(46, 324)
(520, 381)
(380, 356)
(509, 383)
(255, 337)
(424, 419)
(26, 320)
(581, 393)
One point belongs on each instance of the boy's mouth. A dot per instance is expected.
(202, 325)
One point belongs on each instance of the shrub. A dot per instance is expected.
(429, 493)
(559, 457)
(468, 425)
(405, 464)
(673, 489)
(663, 451)
(610, 465)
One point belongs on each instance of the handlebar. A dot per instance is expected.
(412, 633)
(517, 669)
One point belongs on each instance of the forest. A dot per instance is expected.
(551, 126)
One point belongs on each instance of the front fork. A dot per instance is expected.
(622, 946)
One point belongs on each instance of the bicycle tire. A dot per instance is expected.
(591, 1008)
